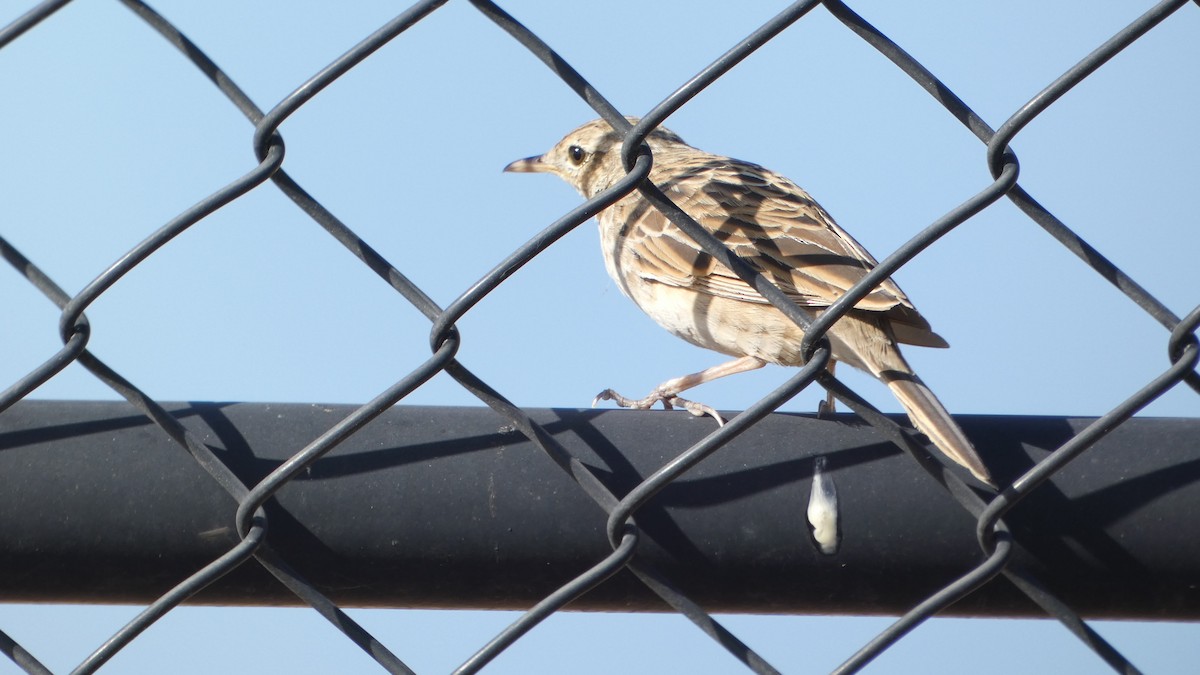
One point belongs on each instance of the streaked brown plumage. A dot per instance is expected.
(776, 227)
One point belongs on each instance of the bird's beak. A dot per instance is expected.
(529, 165)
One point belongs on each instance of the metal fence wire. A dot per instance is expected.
(994, 538)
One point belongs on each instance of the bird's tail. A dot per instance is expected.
(931, 418)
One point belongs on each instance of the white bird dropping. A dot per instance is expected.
(823, 509)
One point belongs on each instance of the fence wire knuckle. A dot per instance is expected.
(1003, 550)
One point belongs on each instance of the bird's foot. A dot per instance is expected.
(668, 400)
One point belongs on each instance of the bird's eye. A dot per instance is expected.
(576, 154)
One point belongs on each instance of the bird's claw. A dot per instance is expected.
(824, 410)
(697, 409)
(610, 395)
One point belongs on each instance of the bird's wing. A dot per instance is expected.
(778, 229)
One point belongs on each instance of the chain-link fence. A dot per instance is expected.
(997, 544)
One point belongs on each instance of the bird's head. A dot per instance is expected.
(589, 158)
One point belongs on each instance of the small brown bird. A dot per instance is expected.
(776, 227)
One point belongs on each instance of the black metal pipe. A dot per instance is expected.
(447, 507)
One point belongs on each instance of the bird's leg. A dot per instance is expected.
(668, 392)
(826, 408)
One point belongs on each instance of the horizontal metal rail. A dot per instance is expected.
(445, 507)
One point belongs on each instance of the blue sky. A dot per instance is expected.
(112, 133)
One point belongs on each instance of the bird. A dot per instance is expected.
(781, 232)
